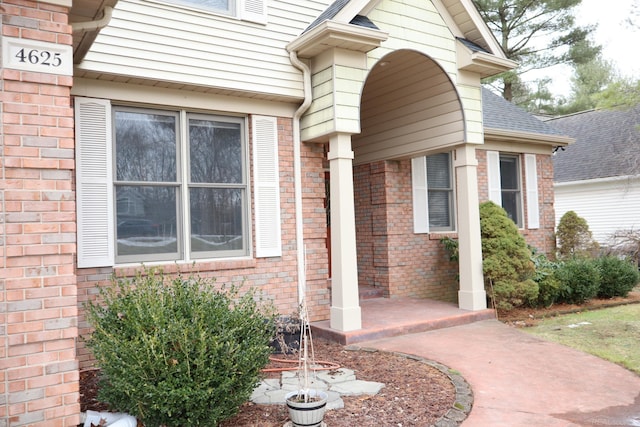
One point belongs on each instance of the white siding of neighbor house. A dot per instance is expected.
(607, 205)
(153, 41)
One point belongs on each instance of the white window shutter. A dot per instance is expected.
(493, 177)
(266, 178)
(531, 177)
(253, 10)
(420, 196)
(94, 192)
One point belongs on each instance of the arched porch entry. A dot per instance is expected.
(410, 108)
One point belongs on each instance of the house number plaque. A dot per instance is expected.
(37, 56)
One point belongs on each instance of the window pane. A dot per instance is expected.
(439, 209)
(508, 173)
(215, 152)
(216, 219)
(146, 220)
(438, 175)
(220, 5)
(510, 203)
(145, 147)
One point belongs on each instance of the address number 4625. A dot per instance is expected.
(39, 57)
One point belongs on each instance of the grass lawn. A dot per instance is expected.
(610, 333)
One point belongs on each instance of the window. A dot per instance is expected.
(247, 10)
(510, 187)
(158, 185)
(505, 186)
(433, 196)
(221, 6)
(168, 206)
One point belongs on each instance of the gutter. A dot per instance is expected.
(297, 172)
(99, 24)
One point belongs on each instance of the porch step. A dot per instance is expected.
(389, 317)
(369, 292)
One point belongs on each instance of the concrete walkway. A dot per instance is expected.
(521, 381)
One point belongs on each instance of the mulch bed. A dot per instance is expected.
(523, 317)
(415, 393)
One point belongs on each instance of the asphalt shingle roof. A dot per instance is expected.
(498, 113)
(333, 9)
(607, 145)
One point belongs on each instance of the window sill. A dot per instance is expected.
(127, 270)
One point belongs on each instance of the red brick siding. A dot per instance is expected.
(38, 366)
(275, 277)
(390, 254)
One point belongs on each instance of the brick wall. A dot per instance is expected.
(38, 367)
(276, 278)
(390, 255)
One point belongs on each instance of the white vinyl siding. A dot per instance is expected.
(608, 205)
(151, 41)
(531, 181)
(94, 183)
(266, 187)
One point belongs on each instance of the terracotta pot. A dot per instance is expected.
(307, 414)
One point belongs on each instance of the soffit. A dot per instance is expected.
(84, 11)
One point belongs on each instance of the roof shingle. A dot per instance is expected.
(607, 145)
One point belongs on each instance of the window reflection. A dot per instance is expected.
(159, 216)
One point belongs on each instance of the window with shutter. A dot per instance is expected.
(505, 189)
(157, 185)
(248, 10)
(433, 195)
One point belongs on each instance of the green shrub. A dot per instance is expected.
(507, 264)
(177, 352)
(548, 283)
(579, 280)
(617, 276)
(574, 237)
(509, 294)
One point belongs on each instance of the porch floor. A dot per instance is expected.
(388, 317)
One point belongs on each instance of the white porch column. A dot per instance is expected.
(345, 306)
(471, 295)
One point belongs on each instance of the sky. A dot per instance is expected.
(618, 39)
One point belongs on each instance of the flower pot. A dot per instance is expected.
(307, 414)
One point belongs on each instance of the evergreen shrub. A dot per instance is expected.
(579, 280)
(177, 351)
(507, 265)
(617, 276)
(574, 237)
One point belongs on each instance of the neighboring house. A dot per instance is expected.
(598, 177)
(212, 136)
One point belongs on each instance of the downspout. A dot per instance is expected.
(99, 24)
(297, 171)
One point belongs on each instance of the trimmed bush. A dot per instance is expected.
(617, 276)
(176, 351)
(579, 280)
